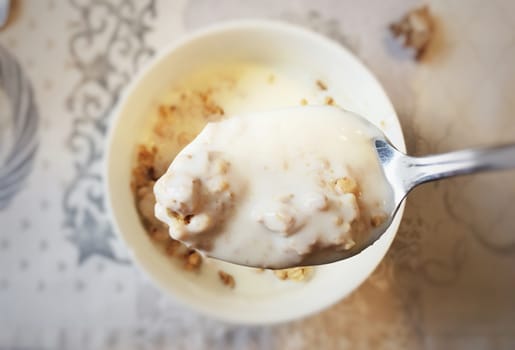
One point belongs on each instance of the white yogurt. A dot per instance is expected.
(270, 189)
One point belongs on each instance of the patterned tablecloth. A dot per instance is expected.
(65, 279)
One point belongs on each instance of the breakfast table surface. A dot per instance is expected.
(66, 280)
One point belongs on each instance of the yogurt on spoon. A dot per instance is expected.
(273, 189)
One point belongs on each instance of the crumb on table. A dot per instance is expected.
(415, 29)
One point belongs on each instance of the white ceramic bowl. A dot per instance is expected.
(258, 297)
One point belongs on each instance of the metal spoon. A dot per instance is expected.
(401, 172)
(404, 173)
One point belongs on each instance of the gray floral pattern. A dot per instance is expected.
(107, 47)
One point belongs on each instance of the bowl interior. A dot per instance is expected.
(258, 297)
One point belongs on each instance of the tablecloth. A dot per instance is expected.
(66, 281)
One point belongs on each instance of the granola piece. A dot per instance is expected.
(163, 111)
(281, 274)
(348, 245)
(184, 138)
(415, 30)
(296, 274)
(144, 171)
(283, 221)
(338, 221)
(226, 279)
(346, 185)
(159, 234)
(164, 127)
(211, 110)
(172, 247)
(192, 260)
(143, 179)
(377, 220)
(321, 85)
(329, 101)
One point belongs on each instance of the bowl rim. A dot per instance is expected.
(128, 90)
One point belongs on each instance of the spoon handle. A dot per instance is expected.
(435, 167)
